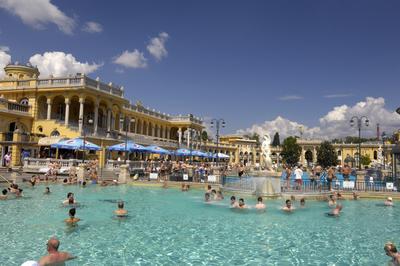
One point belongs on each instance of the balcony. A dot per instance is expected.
(9, 106)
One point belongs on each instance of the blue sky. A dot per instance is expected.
(245, 61)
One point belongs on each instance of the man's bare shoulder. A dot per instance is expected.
(55, 259)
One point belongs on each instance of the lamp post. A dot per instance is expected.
(384, 138)
(190, 131)
(217, 123)
(124, 122)
(81, 121)
(359, 121)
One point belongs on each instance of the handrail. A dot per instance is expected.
(5, 179)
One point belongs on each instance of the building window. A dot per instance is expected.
(40, 129)
(24, 101)
(55, 133)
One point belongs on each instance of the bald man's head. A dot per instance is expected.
(53, 244)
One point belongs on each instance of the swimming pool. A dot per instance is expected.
(169, 227)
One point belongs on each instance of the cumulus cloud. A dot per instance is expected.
(335, 123)
(92, 27)
(4, 60)
(133, 59)
(290, 97)
(38, 13)
(61, 64)
(4, 48)
(156, 47)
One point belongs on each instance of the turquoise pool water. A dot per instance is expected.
(169, 227)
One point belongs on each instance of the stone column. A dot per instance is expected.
(121, 123)
(96, 117)
(303, 156)
(108, 122)
(188, 136)
(81, 105)
(180, 136)
(67, 102)
(153, 130)
(123, 174)
(48, 109)
(168, 133)
(314, 154)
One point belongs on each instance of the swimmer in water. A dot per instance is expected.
(260, 205)
(209, 189)
(391, 251)
(302, 202)
(47, 191)
(219, 195)
(55, 257)
(355, 196)
(332, 201)
(288, 207)
(121, 212)
(72, 220)
(234, 204)
(18, 193)
(207, 197)
(214, 194)
(3, 195)
(336, 211)
(242, 205)
(389, 202)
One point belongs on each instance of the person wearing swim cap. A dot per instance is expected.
(55, 257)
(72, 220)
(121, 212)
(389, 201)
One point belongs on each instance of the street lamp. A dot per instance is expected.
(359, 121)
(81, 121)
(217, 123)
(125, 124)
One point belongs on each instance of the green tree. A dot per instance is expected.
(365, 160)
(276, 142)
(290, 151)
(326, 155)
(204, 136)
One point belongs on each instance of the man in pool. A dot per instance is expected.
(336, 211)
(389, 202)
(242, 205)
(332, 201)
(234, 204)
(391, 251)
(260, 205)
(47, 191)
(72, 220)
(121, 212)
(288, 207)
(3, 195)
(55, 257)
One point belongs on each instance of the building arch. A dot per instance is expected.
(41, 107)
(58, 107)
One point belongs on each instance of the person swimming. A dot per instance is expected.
(234, 204)
(302, 202)
(288, 207)
(72, 220)
(207, 197)
(332, 201)
(242, 205)
(389, 202)
(219, 195)
(18, 193)
(3, 195)
(260, 205)
(121, 212)
(47, 190)
(355, 195)
(336, 211)
(391, 251)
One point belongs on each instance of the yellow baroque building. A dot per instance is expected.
(36, 111)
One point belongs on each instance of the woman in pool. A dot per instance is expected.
(260, 205)
(391, 251)
(121, 212)
(332, 201)
(72, 220)
(336, 211)
(234, 204)
(207, 197)
(288, 207)
(242, 205)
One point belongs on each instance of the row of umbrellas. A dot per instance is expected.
(80, 144)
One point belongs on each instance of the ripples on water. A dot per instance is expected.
(168, 227)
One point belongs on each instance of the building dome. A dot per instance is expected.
(17, 71)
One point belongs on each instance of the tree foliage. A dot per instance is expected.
(365, 160)
(276, 142)
(326, 155)
(290, 151)
(309, 156)
(204, 136)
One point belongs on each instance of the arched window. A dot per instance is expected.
(24, 101)
(375, 155)
(55, 133)
(40, 129)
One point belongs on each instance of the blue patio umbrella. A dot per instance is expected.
(156, 149)
(221, 155)
(130, 146)
(199, 153)
(76, 144)
(183, 152)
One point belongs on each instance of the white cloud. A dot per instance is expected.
(4, 48)
(342, 95)
(38, 13)
(4, 60)
(60, 64)
(92, 27)
(290, 98)
(156, 47)
(133, 59)
(335, 123)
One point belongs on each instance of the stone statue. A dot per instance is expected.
(380, 155)
(266, 151)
